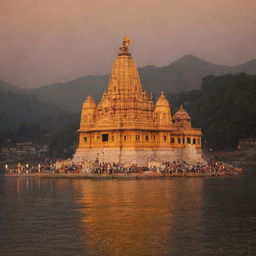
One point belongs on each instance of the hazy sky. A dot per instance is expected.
(45, 41)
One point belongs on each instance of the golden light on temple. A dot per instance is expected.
(127, 126)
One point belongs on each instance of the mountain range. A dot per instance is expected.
(46, 104)
(17, 109)
(184, 74)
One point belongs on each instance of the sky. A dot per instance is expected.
(47, 41)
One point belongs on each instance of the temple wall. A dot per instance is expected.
(189, 154)
(102, 154)
(138, 146)
(139, 139)
(139, 156)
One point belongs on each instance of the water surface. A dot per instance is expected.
(172, 216)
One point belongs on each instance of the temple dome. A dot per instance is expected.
(162, 101)
(88, 111)
(89, 103)
(162, 112)
(181, 114)
(182, 119)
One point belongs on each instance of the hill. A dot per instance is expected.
(182, 75)
(6, 87)
(18, 109)
(70, 96)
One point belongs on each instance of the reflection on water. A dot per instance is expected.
(177, 216)
(134, 217)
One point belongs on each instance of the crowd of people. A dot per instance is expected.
(174, 168)
(183, 167)
(166, 168)
(25, 168)
(70, 168)
(117, 168)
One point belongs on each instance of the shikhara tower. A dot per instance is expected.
(126, 126)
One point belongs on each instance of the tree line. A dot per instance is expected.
(224, 107)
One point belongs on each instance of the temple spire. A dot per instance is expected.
(124, 78)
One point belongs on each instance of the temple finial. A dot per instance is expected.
(124, 47)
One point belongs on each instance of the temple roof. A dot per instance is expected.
(181, 114)
(124, 78)
(124, 103)
(89, 103)
(126, 106)
(162, 101)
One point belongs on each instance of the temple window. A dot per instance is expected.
(85, 139)
(165, 138)
(137, 137)
(173, 141)
(146, 138)
(154, 138)
(179, 140)
(104, 137)
(188, 141)
(113, 138)
(194, 141)
(124, 138)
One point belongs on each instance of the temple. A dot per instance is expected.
(128, 127)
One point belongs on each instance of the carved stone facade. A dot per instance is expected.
(126, 126)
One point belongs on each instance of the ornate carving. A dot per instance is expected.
(124, 48)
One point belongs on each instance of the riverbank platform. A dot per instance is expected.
(149, 174)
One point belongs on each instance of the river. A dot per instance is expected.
(170, 216)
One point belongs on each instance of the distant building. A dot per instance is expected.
(127, 126)
(25, 150)
(247, 144)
